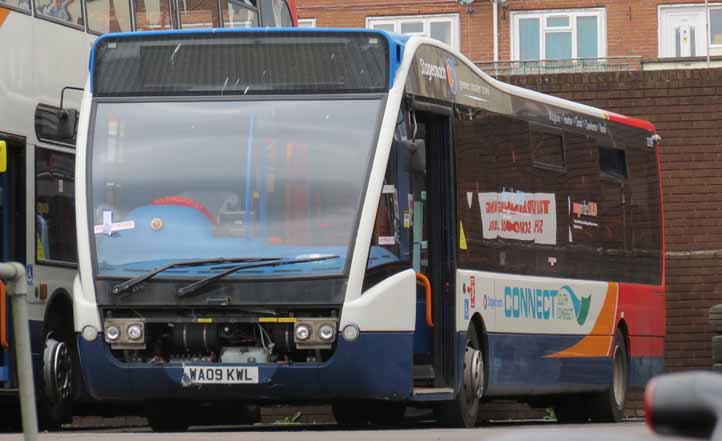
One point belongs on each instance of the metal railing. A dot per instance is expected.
(575, 65)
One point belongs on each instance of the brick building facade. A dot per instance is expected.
(539, 29)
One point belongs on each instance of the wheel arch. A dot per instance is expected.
(58, 315)
(622, 326)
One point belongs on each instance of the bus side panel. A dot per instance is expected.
(642, 309)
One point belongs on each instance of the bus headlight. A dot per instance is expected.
(135, 331)
(303, 332)
(112, 333)
(327, 332)
(350, 332)
(89, 333)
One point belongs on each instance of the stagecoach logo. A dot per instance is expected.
(546, 304)
(451, 76)
(445, 73)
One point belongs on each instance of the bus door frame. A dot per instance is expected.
(441, 170)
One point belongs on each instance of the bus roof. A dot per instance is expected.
(397, 45)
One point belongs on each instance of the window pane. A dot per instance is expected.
(55, 206)
(152, 15)
(587, 37)
(306, 23)
(198, 14)
(22, 4)
(441, 30)
(557, 22)
(388, 27)
(715, 26)
(108, 15)
(66, 10)
(412, 27)
(548, 150)
(239, 15)
(529, 39)
(558, 45)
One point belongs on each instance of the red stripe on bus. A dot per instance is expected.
(634, 122)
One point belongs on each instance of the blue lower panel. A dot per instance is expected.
(376, 365)
(642, 369)
(518, 365)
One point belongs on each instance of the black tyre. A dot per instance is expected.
(351, 413)
(386, 413)
(167, 417)
(463, 411)
(571, 410)
(608, 407)
(59, 374)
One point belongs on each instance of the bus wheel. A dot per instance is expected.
(609, 405)
(58, 375)
(164, 416)
(463, 411)
(386, 413)
(351, 413)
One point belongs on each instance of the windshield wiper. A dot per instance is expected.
(129, 284)
(195, 286)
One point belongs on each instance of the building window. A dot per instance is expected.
(559, 35)
(683, 30)
(306, 22)
(152, 15)
(108, 16)
(55, 207)
(444, 28)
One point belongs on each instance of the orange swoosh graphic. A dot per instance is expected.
(3, 15)
(598, 342)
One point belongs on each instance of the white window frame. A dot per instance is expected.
(309, 21)
(426, 19)
(544, 15)
(690, 6)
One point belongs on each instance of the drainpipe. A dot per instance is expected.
(495, 27)
(18, 290)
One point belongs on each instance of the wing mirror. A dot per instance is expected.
(685, 404)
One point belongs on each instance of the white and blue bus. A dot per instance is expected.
(356, 218)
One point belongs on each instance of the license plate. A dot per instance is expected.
(221, 375)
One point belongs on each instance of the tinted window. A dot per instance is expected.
(68, 11)
(108, 16)
(198, 14)
(613, 162)
(55, 206)
(240, 14)
(547, 148)
(152, 15)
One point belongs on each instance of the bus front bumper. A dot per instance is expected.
(377, 365)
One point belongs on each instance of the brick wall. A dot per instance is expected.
(631, 24)
(686, 107)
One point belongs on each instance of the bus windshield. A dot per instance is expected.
(209, 179)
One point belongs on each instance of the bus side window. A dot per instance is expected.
(108, 16)
(152, 15)
(68, 11)
(55, 238)
(281, 14)
(197, 14)
(547, 147)
(240, 14)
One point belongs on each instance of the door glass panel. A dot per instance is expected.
(587, 39)
(558, 45)
(441, 30)
(529, 39)
(412, 27)
(152, 15)
(55, 206)
(195, 14)
(108, 16)
(239, 14)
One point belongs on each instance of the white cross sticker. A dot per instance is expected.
(108, 227)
